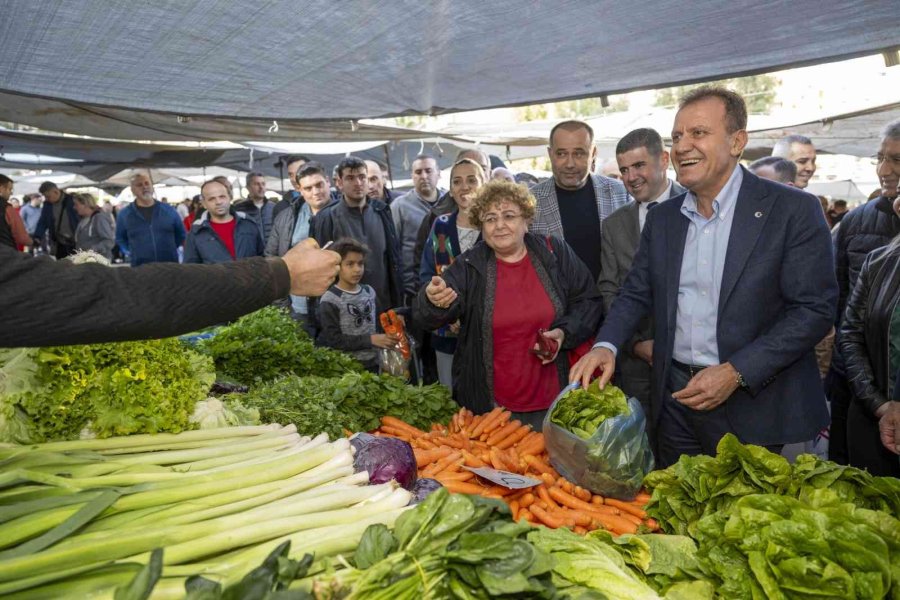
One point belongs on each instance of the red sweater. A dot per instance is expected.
(522, 306)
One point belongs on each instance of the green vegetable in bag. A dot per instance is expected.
(581, 411)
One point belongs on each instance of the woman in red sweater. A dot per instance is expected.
(503, 291)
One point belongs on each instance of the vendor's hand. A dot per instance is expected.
(889, 427)
(554, 334)
(312, 270)
(644, 351)
(454, 327)
(384, 340)
(439, 294)
(709, 388)
(598, 358)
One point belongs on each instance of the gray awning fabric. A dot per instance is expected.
(222, 62)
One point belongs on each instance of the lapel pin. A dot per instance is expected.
(757, 215)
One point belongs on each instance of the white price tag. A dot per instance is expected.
(513, 481)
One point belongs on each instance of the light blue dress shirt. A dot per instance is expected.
(299, 304)
(702, 266)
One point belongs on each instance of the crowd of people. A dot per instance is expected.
(725, 300)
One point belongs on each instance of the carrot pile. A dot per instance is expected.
(495, 440)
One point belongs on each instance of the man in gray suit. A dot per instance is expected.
(643, 162)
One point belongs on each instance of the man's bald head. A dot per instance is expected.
(478, 156)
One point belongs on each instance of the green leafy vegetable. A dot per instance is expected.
(581, 411)
(268, 343)
(212, 413)
(354, 402)
(114, 389)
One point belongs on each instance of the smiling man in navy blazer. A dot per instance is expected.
(738, 275)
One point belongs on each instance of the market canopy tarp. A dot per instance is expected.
(216, 64)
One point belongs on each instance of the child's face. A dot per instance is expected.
(352, 268)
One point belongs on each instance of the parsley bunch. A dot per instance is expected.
(268, 343)
(354, 402)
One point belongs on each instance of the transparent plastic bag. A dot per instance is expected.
(612, 462)
(392, 362)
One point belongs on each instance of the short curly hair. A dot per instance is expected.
(495, 192)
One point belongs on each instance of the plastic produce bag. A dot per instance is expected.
(611, 461)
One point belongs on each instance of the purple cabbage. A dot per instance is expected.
(424, 488)
(384, 459)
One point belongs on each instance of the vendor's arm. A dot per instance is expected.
(57, 303)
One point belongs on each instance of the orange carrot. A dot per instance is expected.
(399, 424)
(544, 495)
(652, 524)
(579, 530)
(582, 493)
(496, 424)
(534, 446)
(548, 479)
(632, 518)
(442, 464)
(546, 518)
(526, 500)
(626, 507)
(616, 524)
(458, 476)
(485, 421)
(423, 443)
(426, 457)
(566, 499)
(525, 514)
(642, 497)
(540, 466)
(397, 433)
(576, 517)
(476, 421)
(597, 500)
(472, 461)
(513, 438)
(514, 508)
(503, 432)
(463, 487)
(454, 442)
(468, 417)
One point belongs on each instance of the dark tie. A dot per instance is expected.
(650, 205)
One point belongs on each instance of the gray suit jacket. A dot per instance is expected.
(609, 193)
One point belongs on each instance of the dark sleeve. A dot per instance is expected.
(179, 227)
(608, 282)
(635, 298)
(320, 228)
(330, 334)
(191, 255)
(56, 302)
(841, 269)
(584, 305)
(121, 233)
(431, 317)
(853, 343)
(427, 269)
(422, 242)
(809, 292)
(43, 222)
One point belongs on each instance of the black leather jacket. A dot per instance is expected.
(865, 333)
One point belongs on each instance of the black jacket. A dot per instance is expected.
(571, 289)
(861, 231)
(864, 229)
(443, 206)
(865, 334)
(325, 228)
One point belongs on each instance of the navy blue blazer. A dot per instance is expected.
(777, 301)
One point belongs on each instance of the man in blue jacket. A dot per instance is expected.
(59, 219)
(738, 274)
(222, 234)
(148, 230)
